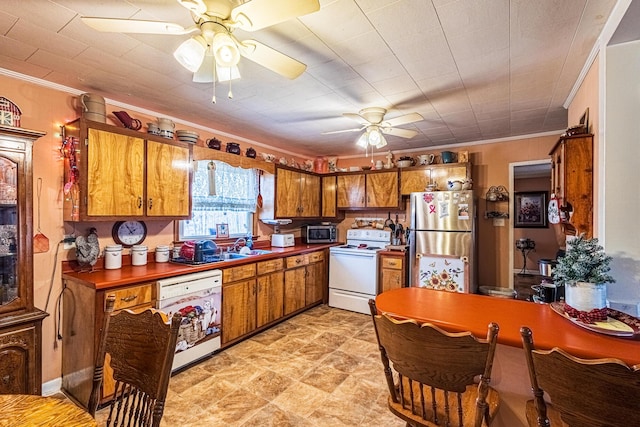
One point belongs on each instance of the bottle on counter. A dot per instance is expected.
(249, 241)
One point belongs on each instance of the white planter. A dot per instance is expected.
(585, 296)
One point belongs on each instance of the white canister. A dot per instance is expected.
(162, 253)
(138, 255)
(112, 257)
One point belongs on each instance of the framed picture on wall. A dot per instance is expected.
(222, 230)
(530, 209)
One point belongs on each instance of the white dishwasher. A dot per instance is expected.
(353, 269)
(198, 298)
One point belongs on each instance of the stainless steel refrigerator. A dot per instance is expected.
(442, 241)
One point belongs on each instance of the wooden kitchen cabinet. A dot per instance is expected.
(114, 173)
(20, 321)
(393, 270)
(270, 295)
(329, 196)
(239, 302)
(297, 194)
(416, 179)
(304, 281)
(572, 179)
(82, 320)
(375, 189)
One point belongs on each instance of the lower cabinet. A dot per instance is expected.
(238, 301)
(393, 271)
(270, 297)
(304, 281)
(82, 319)
(20, 354)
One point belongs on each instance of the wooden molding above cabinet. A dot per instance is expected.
(114, 173)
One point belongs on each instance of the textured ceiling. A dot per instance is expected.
(474, 69)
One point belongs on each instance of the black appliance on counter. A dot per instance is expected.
(547, 291)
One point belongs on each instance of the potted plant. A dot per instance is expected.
(584, 272)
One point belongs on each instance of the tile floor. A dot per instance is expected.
(320, 368)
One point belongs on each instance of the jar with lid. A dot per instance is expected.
(138, 255)
(162, 253)
(112, 257)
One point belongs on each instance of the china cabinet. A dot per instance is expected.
(113, 173)
(572, 180)
(20, 321)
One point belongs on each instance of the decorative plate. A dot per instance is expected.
(618, 324)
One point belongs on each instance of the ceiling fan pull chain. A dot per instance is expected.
(213, 100)
(230, 94)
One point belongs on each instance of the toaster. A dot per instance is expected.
(283, 240)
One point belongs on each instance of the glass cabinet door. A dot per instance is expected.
(9, 284)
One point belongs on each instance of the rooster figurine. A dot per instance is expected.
(88, 249)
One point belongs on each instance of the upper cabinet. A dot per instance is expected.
(113, 173)
(416, 179)
(374, 189)
(329, 194)
(572, 180)
(297, 194)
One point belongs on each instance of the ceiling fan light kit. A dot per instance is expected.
(216, 19)
(191, 53)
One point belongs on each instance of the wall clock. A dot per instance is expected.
(129, 233)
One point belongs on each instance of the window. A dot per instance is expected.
(221, 194)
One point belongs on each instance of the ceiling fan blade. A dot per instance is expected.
(257, 14)
(271, 58)
(342, 131)
(403, 120)
(115, 25)
(357, 117)
(402, 133)
(196, 6)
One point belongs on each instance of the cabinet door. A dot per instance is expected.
(310, 195)
(115, 177)
(314, 283)
(167, 180)
(17, 361)
(382, 190)
(414, 180)
(287, 193)
(238, 309)
(329, 194)
(294, 289)
(270, 298)
(351, 191)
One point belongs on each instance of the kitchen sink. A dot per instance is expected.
(238, 255)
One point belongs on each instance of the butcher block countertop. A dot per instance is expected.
(128, 274)
(457, 312)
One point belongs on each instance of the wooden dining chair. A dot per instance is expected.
(584, 392)
(141, 348)
(435, 377)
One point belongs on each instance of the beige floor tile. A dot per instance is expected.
(301, 399)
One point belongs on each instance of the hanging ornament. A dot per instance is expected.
(553, 211)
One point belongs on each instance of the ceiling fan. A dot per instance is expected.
(215, 52)
(373, 126)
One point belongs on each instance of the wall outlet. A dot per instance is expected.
(69, 242)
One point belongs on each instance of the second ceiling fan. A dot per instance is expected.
(374, 126)
(213, 53)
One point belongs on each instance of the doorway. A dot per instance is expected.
(532, 177)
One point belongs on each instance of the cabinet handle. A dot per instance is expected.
(298, 261)
(362, 199)
(139, 202)
(150, 203)
(129, 298)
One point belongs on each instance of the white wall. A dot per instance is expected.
(621, 237)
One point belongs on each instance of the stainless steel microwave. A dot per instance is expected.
(319, 234)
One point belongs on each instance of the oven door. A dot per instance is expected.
(352, 279)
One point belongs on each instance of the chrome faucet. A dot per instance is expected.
(238, 241)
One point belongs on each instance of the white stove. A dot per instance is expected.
(353, 269)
